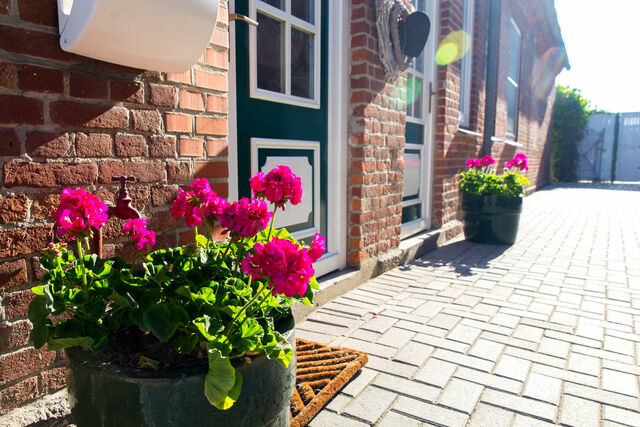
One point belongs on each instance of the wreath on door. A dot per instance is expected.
(388, 14)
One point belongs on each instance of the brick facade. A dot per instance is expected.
(72, 121)
(67, 120)
(376, 144)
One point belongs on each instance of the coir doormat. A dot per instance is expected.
(321, 372)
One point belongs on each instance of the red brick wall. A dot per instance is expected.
(72, 121)
(454, 147)
(376, 144)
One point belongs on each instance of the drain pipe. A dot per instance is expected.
(492, 76)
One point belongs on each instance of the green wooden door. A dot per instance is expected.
(282, 102)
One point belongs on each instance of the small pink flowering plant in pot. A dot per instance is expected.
(481, 178)
(491, 203)
(216, 302)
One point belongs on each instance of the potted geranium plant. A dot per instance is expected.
(491, 203)
(196, 335)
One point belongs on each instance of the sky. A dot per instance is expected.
(603, 43)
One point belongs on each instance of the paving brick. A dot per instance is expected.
(573, 377)
(543, 388)
(464, 334)
(523, 405)
(441, 343)
(406, 387)
(464, 360)
(584, 364)
(326, 418)
(620, 382)
(359, 382)
(579, 412)
(622, 416)
(395, 337)
(436, 372)
(618, 345)
(486, 349)
(461, 395)
(513, 367)
(392, 367)
(414, 353)
(370, 404)
(487, 415)
(430, 413)
(394, 419)
(528, 333)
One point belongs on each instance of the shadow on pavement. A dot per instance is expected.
(461, 256)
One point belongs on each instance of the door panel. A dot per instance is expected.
(420, 100)
(282, 102)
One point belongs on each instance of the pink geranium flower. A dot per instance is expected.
(245, 217)
(279, 186)
(199, 203)
(472, 163)
(287, 265)
(138, 233)
(317, 248)
(487, 161)
(77, 211)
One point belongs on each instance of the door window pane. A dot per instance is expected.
(301, 63)
(276, 3)
(512, 108)
(417, 97)
(270, 54)
(302, 9)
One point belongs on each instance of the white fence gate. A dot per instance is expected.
(610, 148)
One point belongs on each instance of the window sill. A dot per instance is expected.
(506, 141)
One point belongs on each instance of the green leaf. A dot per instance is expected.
(179, 315)
(37, 311)
(222, 384)
(148, 363)
(208, 327)
(59, 343)
(201, 240)
(157, 319)
(185, 344)
(38, 290)
(277, 347)
(206, 295)
(40, 332)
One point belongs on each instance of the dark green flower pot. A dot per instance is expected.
(491, 219)
(102, 395)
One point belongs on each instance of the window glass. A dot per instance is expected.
(270, 54)
(276, 3)
(465, 63)
(513, 80)
(302, 9)
(301, 63)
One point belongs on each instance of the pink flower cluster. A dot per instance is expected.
(486, 161)
(519, 161)
(287, 265)
(245, 217)
(138, 233)
(199, 203)
(278, 186)
(79, 209)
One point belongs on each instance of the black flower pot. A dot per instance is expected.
(106, 395)
(491, 219)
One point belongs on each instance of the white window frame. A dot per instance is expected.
(510, 81)
(289, 21)
(465, 65)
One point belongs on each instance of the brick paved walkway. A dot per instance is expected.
(545, 331)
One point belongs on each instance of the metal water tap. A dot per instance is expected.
(122, 210)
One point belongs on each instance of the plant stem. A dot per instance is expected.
(273, 217)
(226, 252)
(251, 301)
(209, 232)
(81, 259)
